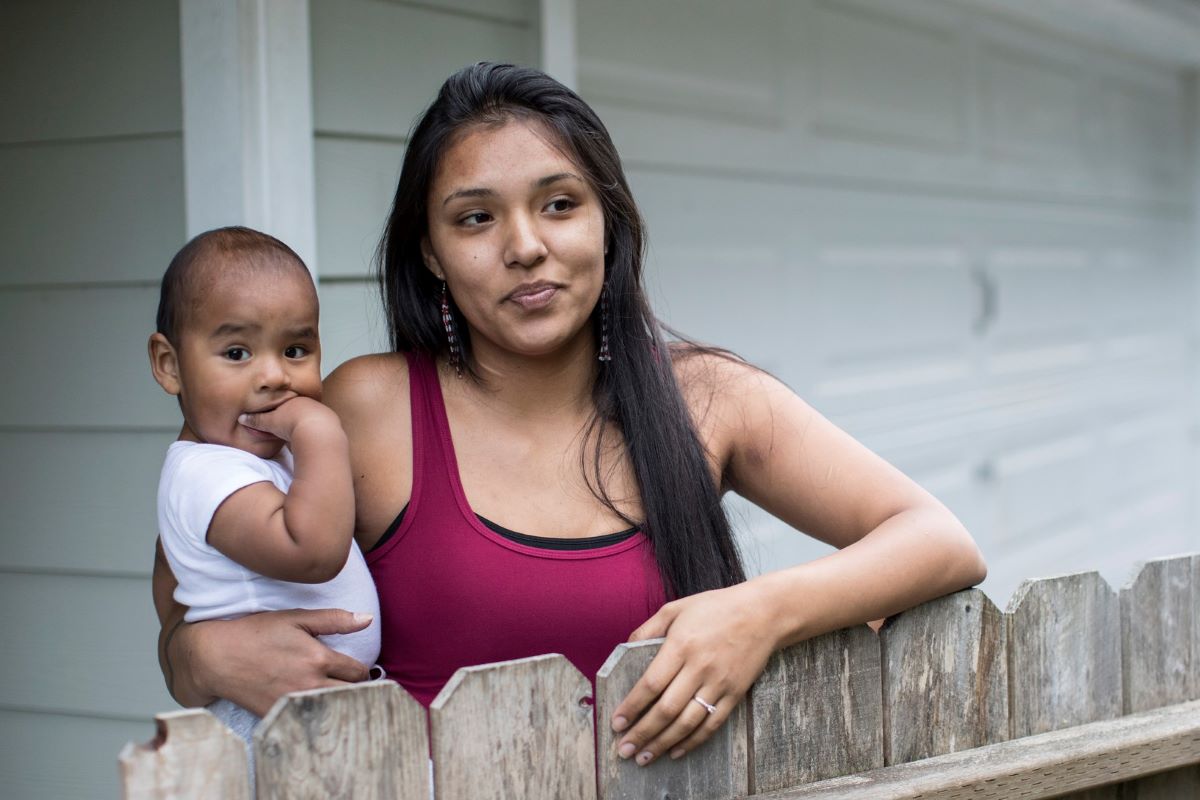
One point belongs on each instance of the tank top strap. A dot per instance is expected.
(435, 473)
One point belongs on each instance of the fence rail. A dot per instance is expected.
(1075, 688)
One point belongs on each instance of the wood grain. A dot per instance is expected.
(1158, 624)
(1064, 664)
(367, 740)
(1158, 656)
(1042, 766)
(192, 755)
(714, 771)
(518, 728)
(816, 712)
(945, 678)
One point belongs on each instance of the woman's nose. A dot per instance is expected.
(524, 245)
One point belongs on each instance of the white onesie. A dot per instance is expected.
(196, 479)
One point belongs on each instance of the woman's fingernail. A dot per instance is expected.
(678, 752)
(627, 749)
(243, 418)
(619, 724)
(644, 757)
(360, 618)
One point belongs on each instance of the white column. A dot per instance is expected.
(558, 45)
(247, 118)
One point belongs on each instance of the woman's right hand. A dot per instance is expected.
(256, 659)
(253, 660)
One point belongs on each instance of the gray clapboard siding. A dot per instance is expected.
(93, 371)
(531, 712)
(74, 68)
(50, 231)
(355, 181)
(945, 678)
(80, 501)
(351, 322)
(61, 756)
(377, 65)
(80, 645)
(816, 711)
(192, 755)
(717, 769)
(879, 92)
(368, 741)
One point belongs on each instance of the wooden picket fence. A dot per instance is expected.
(1075, 691)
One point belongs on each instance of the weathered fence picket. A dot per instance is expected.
(945, 678)
(519, 728)
(192, 755)
(1160, 657)
(816, 712)
(714, 771)
(1075, 689)
(1064, 637)
(366, 741)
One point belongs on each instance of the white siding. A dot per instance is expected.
(376, 65)
(91, 209)
(967, 242)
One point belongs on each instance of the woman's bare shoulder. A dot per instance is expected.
(361, 383)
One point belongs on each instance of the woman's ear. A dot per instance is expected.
(164, 363)
(431, 262)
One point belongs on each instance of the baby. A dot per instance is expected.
(255, 501)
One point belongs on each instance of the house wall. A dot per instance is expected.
(968, 242)
(91, 209)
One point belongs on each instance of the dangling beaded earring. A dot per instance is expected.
(451, 337)
(604, 356)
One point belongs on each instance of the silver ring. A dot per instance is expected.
(709, 707)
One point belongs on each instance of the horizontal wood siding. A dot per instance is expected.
(967, 242)
(91, 209)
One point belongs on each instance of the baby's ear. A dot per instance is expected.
(164, 363)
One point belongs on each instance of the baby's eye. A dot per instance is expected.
(295, 351)
(237, 354)
(560, 205)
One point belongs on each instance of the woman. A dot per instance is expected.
(531, 389)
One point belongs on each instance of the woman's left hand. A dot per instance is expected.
(717, 644)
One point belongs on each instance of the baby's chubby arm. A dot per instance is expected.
(304, 535)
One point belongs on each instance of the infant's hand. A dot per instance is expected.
(288, 419)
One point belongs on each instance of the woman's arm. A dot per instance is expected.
(898, 547)
(253, 660)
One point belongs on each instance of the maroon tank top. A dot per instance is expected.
(455, 593)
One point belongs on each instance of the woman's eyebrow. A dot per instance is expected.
(549, 179)
(481, 192)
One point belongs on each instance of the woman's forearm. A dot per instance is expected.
(914, 556)
(173, 635)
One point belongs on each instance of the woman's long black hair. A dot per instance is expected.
(636, 391)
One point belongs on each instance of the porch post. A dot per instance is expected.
(247, 118)
(558, 45)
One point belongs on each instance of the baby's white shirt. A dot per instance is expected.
(196, 478)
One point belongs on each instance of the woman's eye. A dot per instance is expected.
(472, 220)
(237, 354)
(560, 205)
(295, 351)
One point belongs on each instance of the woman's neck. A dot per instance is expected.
(531, 388)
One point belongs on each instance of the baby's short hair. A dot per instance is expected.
(192, 265)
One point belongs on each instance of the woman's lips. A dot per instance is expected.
(534, 297)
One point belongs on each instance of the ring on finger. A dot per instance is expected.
(709, 707)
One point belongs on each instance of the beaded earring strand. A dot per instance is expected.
(451, 336)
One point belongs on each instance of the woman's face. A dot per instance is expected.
(518, 236)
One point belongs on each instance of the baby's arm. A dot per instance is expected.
(304, 535)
